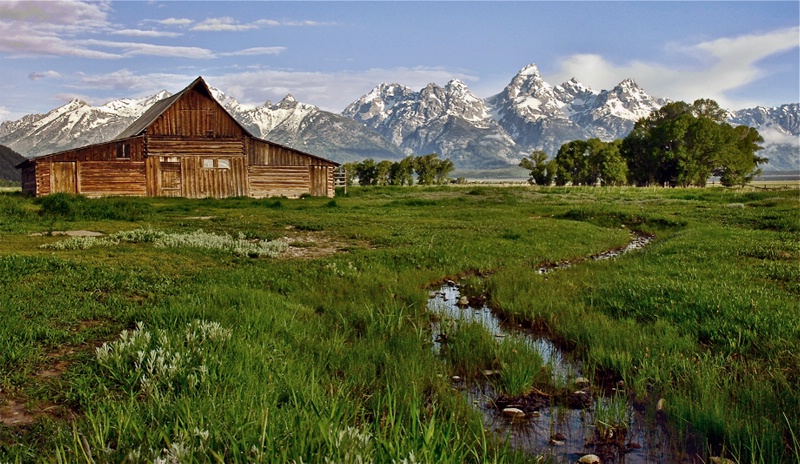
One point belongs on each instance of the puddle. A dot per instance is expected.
(554, 431)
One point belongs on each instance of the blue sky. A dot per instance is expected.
(328, 54)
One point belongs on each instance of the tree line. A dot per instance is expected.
(429, 170)
(678, 145)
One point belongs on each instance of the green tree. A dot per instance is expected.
(739, 165)
(541, 169)
(365, 171)
(425, 167)
(402, 172)
(382, 170)
(682, 144)
(572, 164)
(443, 169)
(610, 166)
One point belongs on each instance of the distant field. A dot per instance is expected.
(277, 330)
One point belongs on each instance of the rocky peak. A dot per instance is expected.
(527, 82)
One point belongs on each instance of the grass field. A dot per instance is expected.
(156, 343)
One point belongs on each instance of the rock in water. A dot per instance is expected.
(589, 459)
(662, 403)
(513, 412)
(581, 382)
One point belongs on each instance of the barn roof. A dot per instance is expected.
(159, 107)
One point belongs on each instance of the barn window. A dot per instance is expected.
(208, 163)
(123, 151)
(224, 164)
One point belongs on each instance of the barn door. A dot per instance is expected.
(170, 179)
(319, 181)
(64, 177)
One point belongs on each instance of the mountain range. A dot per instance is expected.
(393, 121)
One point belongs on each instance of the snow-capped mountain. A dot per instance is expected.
(310, 129)
(73, 125)
(780, 128)
(448, 120)
(527, 114)
(393, 121)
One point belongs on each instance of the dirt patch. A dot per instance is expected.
(68, 233)
(13, 413)
(313, 244)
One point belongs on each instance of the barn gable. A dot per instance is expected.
(185, 145)
(192, 112)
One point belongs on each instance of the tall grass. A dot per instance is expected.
(330, 356)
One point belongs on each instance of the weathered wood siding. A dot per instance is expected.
(99, 152)
(179, 167)
(321, 181)
(195, 115)
(190, 177)
(163, 146)
(276, 181)
(29, 179)
(200, 181)
(276, 170)
(106, 178)
(262, 153)
(64, 177)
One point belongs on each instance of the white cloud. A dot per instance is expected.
(21, 40)
(145, 33)
(135, 49)
(229, 24)
(222, 24)
(130, 84)
(40, 28)
(772, 135)
(56, 14)
(727, 64)
(257, 51)
(35, 76)
(4, 113)
(173, 21)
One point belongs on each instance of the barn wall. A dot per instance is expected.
(105, 178)
(275, 181)
(195, 115)
(198, 181)
(29, 179)
(262, 153)
(42, 178)
(99, 152)
(322, 181)
(198, 147)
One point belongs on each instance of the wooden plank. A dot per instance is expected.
(100, 178)
(288, 181)
(63, 177)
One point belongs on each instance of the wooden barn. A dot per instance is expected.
(186, 145)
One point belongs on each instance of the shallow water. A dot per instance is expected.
(574, 428)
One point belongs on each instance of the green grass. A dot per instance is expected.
(329, 355)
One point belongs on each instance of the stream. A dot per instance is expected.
(555, 430)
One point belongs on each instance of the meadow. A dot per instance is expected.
(275, 330)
